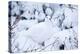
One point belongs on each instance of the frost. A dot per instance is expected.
(37, 27)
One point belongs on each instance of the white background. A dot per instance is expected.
(4, 26)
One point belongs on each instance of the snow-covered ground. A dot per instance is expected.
(36, 27)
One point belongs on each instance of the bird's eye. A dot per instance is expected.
(23, 18)
(21, 12)
(66, 27)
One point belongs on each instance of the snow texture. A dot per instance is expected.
(37, 27)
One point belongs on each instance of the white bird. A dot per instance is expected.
(39, 16)
(71, 18)
(49, 11)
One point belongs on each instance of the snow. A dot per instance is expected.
(29, 34)
(44, 30)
